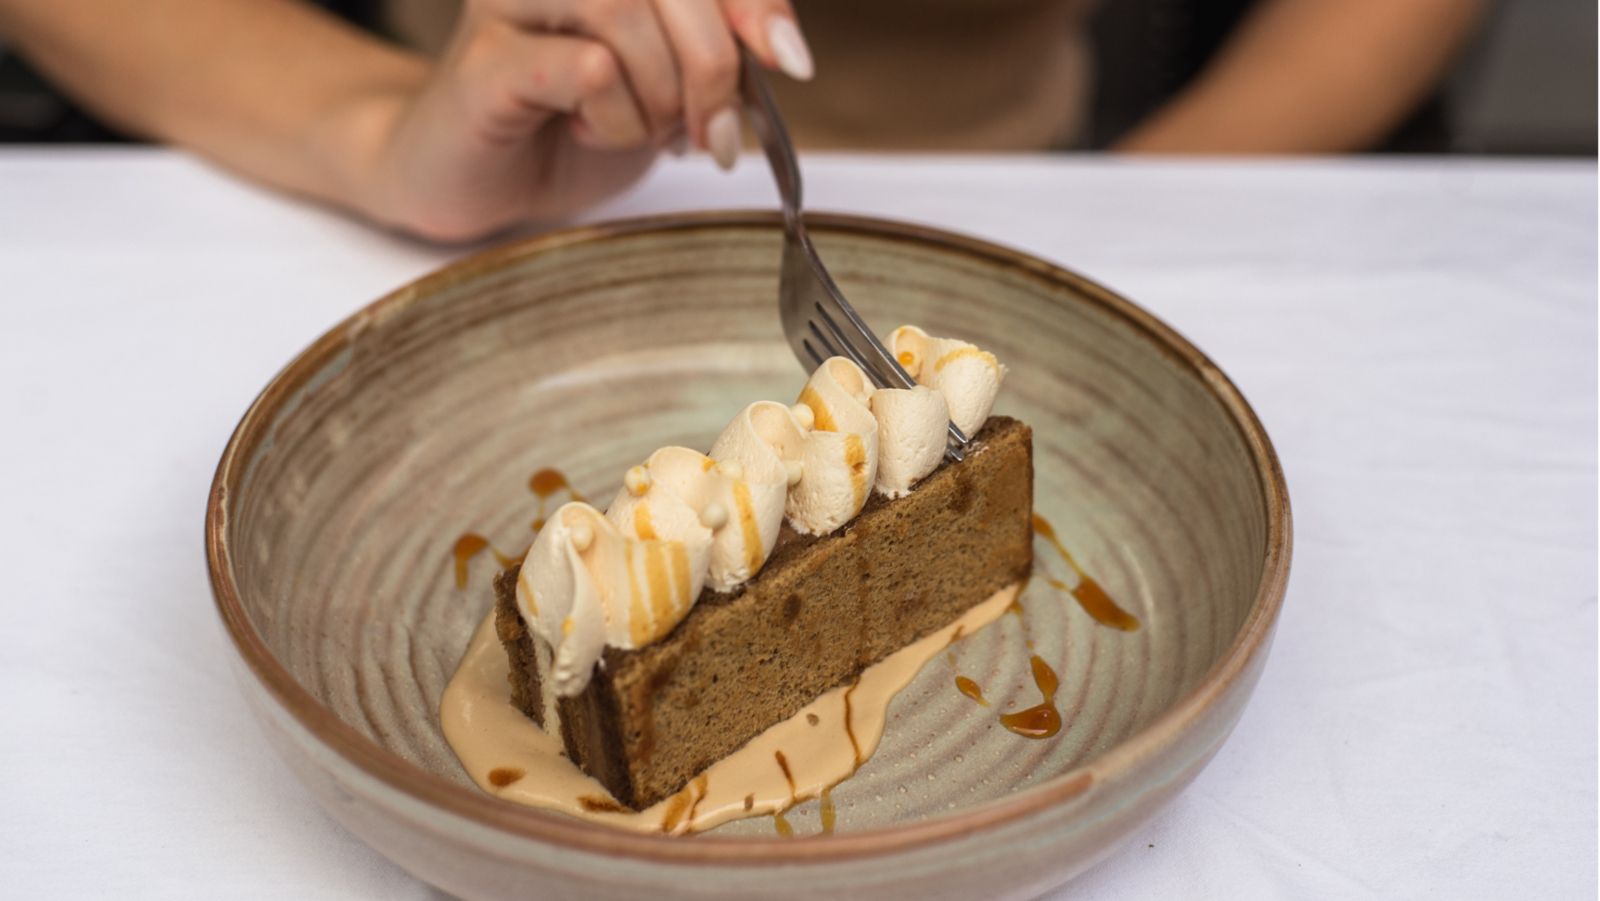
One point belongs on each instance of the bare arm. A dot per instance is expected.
(1309, 76)
(538, 107)
(276, 89)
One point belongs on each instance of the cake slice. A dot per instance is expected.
(719, 593)
(821, 610)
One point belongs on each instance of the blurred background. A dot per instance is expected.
(1525, 86)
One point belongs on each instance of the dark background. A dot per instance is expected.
(1525, 86)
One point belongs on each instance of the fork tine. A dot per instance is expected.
(817, 320)
(846, 348)
(817, 345)
(846, 325)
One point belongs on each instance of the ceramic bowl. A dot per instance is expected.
(338, 502)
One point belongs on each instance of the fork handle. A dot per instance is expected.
(767, 123)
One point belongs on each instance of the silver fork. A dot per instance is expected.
(817, 320)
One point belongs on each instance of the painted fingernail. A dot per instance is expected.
(722, 137)
(790, 49)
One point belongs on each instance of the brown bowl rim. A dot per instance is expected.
(564, 832)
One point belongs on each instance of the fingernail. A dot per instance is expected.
(679, 145)
(789, 48)
(722, 137)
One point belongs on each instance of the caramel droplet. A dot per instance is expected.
(546, 482)
(1042, 720)
(467, 546)
(782, 825)
(970, 689)
(500, 777)
(1099, 605)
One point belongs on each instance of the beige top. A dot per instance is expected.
(934, 75)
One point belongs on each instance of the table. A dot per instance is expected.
(1418, 335)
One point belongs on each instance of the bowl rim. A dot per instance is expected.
(420, 785)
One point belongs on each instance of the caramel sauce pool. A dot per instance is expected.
(1043, 719)
(1040, 721)
(1088, 593)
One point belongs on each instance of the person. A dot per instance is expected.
(531, 110)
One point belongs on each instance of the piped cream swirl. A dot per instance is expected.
(969, 378)
(684, 520)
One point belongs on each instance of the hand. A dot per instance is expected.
(542, 107)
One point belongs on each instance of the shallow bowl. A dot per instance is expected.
(338, 502)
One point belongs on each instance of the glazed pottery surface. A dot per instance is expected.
(339, 501)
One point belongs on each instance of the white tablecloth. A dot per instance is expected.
(1417, 335)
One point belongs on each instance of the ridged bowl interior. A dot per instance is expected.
(424, 418)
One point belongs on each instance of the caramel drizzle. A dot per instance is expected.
(821, 419)
(1088, 593)
(470, 545)
(1043, 719)
(962, 353)
(827, 811)
(600, 805)
(783, 764)
(643, 525)
(545, 484)
(849, 727)
(970, 689)
(681, 807)
(855, 456)
(703, 782)
(747, 523)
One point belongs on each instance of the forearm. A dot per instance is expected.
(272, 88)
(1310, 76)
